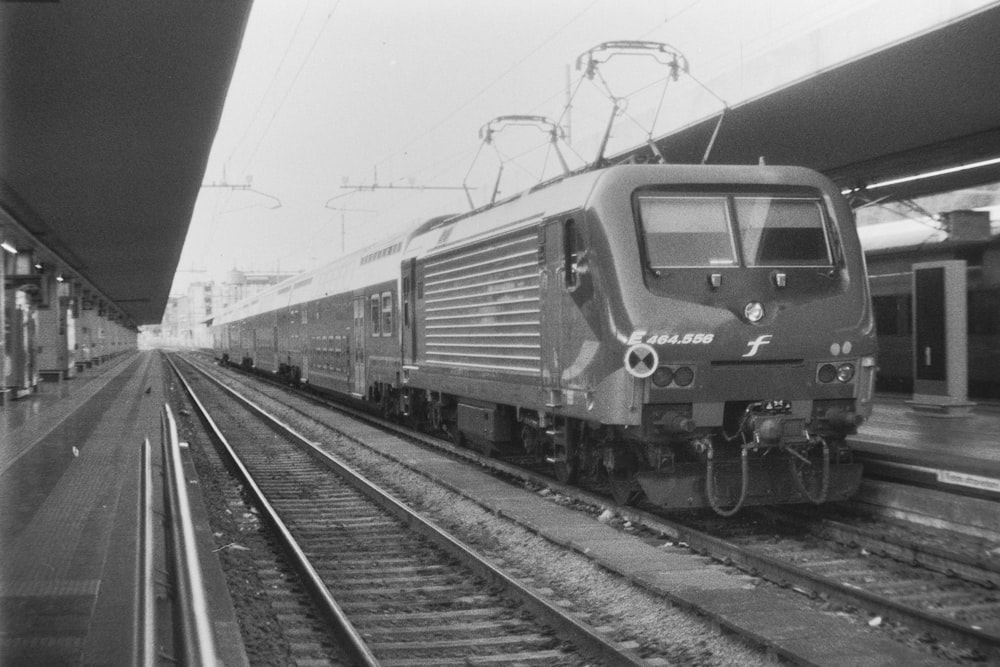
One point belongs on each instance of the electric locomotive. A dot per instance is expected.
(702, 335)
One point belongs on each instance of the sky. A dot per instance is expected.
(332, 97)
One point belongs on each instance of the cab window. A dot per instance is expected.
(687, 231)
(782, 231)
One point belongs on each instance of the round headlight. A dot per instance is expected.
(845, 372)
(683, 376)
(753, 311)
(662, 376)
(827, 372)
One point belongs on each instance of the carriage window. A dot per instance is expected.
(374, 311)
(892, 314)
(387, 313)
(782, 231)
(687, 231)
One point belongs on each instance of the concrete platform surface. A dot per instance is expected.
(69, 467)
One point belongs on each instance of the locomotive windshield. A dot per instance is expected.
(724, 230)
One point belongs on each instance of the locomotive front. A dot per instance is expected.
(739, 300)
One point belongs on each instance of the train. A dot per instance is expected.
(891, 250)
(697, 336)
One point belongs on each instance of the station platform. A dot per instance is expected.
(961, 451)
(69, 471)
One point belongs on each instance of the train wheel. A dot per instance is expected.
(533, 442)
(620, 467)
(566, 459)
(567, 472)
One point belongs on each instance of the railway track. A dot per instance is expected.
(398, 589)
(930, 595)
(895, 573)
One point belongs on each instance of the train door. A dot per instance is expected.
(409, 302)
(358, 349)
(568, 344)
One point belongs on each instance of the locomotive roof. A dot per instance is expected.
(524, 209)
(379, 262)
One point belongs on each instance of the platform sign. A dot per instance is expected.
(940, 338)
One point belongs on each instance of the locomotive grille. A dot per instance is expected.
(482, 307)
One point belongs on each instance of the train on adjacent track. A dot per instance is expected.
(702, 335)
(892, 249)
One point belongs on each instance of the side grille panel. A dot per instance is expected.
(483, 307)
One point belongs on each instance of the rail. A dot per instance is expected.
(192, 640)
(590, 641)
(353, 643)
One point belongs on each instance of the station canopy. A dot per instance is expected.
(914, 118)
(108, 112)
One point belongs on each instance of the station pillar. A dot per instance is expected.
(940, 339)
(57, 332)
(4, 343)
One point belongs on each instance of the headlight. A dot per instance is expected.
(827, 373)
(662, 376)
(845, 372)
(753, 311)
(683, 376)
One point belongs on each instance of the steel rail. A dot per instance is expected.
(787, 574)
(767, 567)
(979, 570)
(588, 640)
(352, 642)
(195, 644)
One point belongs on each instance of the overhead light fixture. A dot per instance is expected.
(8, 247)
(60, 278)
(929, 174)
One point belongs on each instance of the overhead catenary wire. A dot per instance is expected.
(291, 86)
(454, 112)
(271, 83)
(439, 168)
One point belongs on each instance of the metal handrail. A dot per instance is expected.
(196, 641)
(144, 646)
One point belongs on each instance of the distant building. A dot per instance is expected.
(186, 318)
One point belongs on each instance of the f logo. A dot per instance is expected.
(755, 344)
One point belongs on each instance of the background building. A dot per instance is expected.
(187, 317)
